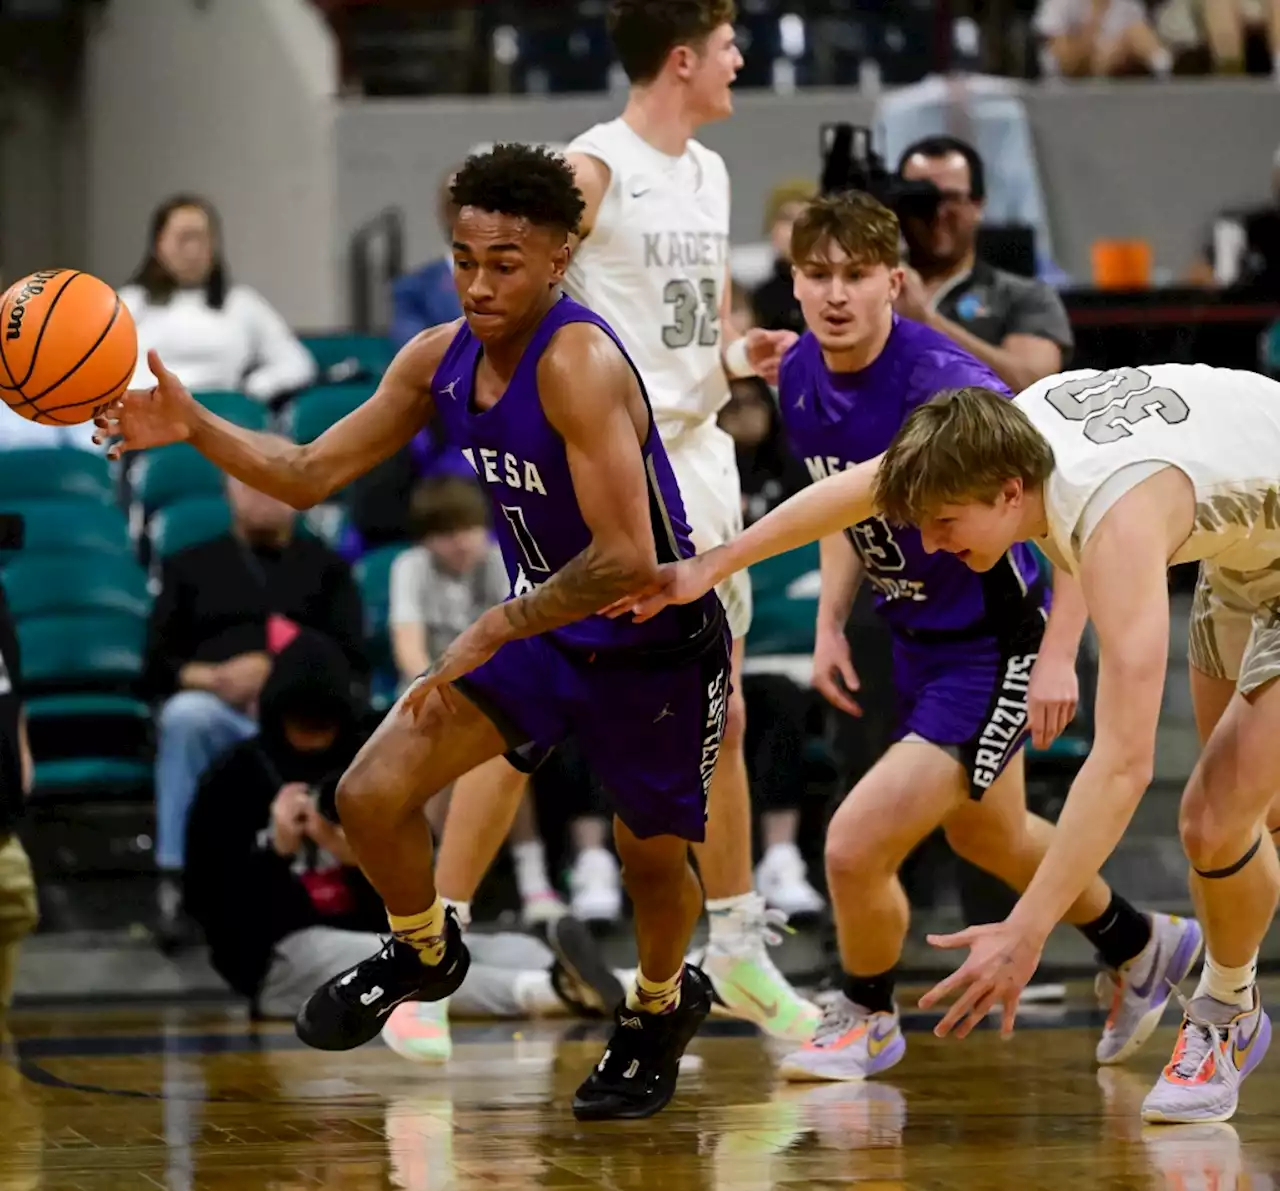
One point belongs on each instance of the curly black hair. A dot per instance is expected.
(522, 180)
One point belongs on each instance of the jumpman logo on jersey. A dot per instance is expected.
(448, 390)
(664, 714)
(801, 399)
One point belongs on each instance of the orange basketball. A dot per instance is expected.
(67, 346)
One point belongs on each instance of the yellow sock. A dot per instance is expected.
(423, 932)
(655, 996)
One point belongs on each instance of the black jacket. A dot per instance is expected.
(245, 896)
(215, 600)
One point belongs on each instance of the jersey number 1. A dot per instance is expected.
(1109, 403)
(692, 314)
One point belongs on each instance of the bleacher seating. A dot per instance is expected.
(237, 408)
(166, 475)
(66, 584)
(312, 412)
(360, 356)
(52, 473)
(187, 523)
(64, 524)
(373, 576)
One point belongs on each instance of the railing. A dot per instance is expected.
(374, 260)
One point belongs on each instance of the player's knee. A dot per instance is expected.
(1211, 838)
(851, 855)
(981, 841)
(735, 722)
(653, 860)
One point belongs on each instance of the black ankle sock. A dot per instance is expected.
(873, 993)
(1119, 934)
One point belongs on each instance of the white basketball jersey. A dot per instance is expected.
(655, 266)
(1111, 430)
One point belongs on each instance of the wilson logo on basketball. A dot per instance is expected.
(33, 288)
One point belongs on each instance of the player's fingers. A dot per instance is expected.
(963, 1007)
(448, 697)
(649, 607)
(158, 370)
(944, 988)
(1009, 1015)
(618, 607)
(961, 938)
(833, 694)
(850, 676)
(1037, 718)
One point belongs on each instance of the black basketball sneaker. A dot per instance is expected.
(353, 1006)
(637, 1075)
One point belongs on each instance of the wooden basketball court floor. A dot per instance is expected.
(188, 1098)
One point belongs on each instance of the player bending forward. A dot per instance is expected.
(1116, 476)
(541, 395)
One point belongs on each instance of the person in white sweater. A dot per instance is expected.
(213, 334)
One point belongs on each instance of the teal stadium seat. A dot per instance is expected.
(92, 778)
(166, 475)
(238, 408)
(312, 412)
(369, 353)
(103, 651)
(188, 523)
(784, 594)
(58, 584)
(373, 576)
(68, 524)
(55, 472)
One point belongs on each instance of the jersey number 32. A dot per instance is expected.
(1111, 402)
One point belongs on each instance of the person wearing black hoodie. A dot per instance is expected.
(271, 879)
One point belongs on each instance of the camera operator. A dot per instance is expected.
(1017, 326)
(18, 908)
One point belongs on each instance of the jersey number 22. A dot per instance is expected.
(1111, 402)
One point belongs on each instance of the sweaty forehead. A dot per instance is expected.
(482, 230)
(828, 253)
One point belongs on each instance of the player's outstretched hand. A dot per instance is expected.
(143, 418)
(472, 647)
(1002, 958)
(834, 677)
(765, 350)
(1052, 696)
(677, 583)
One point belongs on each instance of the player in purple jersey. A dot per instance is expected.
(975, 665)
(539, 392)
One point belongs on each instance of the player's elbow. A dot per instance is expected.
(307, 485)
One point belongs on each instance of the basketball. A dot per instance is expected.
(67, 346)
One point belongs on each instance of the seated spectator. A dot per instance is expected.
(438, 588)
(225, 606)
(427, 297)
(1099, 38)
(212, 334)
(273, 882)
(773, 303)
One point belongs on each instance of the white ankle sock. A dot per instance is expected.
(530, 860)
(724, 915)
(462, 910)
(1231, 986)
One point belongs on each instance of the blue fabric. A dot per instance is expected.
(422, 299)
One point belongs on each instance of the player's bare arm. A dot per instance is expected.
(1054, 690)
(824, 508)
(593, 177)
(1124, 576)
(834, 676)
(299, 474)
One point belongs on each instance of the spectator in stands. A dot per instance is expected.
(272, 881)
(18, 907)
(214, 334)
(438, 588)
(773, 303)
(1239, 35)
(777, 705)
(225, 606)
(1017, 326)
(1099, 38)
(426, 297)
(1242, 248)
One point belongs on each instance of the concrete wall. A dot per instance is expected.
(1133, 159)
(232, 99)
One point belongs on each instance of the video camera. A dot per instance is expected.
(850, 163)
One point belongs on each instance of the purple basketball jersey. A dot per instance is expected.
(521, 462)
(835, 420)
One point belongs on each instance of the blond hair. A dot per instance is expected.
(963, 445)
(866, 229)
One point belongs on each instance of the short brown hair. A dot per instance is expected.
(644, 32)
(963, 445)
(866, 229)
(446, 504)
